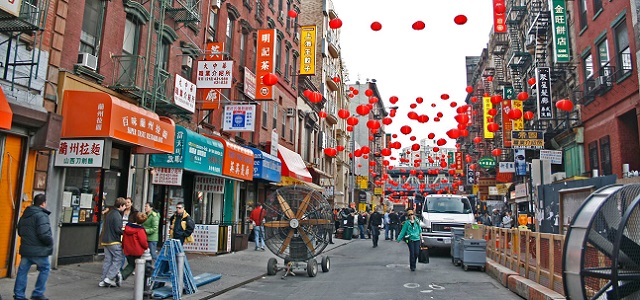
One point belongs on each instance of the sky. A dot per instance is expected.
(408, 63)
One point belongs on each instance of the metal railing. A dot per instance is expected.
(128, 73)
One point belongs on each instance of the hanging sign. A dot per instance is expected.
(239, 118)
(517, 124)
(167, 176)
(527, 139)
(499, 19)
(214, 74)
(249, 84)
(265, 62)
(80, 153)
(184, 93)
(507, 126)
(308, 50)
(211, 98)
(555, 156)
(214, 51)
(486, 106)
(12, 6)
(560, 31)
(543, 85)
(487, 162)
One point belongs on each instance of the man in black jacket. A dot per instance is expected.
(35, 247)
(182, 225)
(376, 222)
(111, 240)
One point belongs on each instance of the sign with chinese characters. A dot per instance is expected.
(308, 50)
(238, 161)
(209, 184)
(517, 124)
(521, 190)
(499, 19)
(471, 175)
(507, 126)
(527, 139)
(451, 159)
(80, 153)
(507, 167)
(486, 106)
(210, 98)
(487, 162)
(214, 51)
(274, 142)
(12, 6)
(167, 176)
(184, 93)
(239, 118)
(193, 152)
(458, 162)
(543, 85)
(560, 31)
(214, 74)
(265, 62)
(555, 156)
(249, 84)
(205, 239)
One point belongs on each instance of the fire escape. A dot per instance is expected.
(519, 59)
(22, 42)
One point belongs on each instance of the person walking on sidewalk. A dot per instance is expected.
(393, 224)
(411, 230)
(151, 228)
(182, 225)
(376, 223)
(111, 241)
(36, 245)
(257, 216)
(134, 242)
(385, 220)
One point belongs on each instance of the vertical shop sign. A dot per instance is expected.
(545, 110)
(308, 50)
(458, 162)
(560, 32)
(249, 84)
(486, 106)
(517, 124)
(499, 19)
(507, 125)
(265, 62)
(184, 93)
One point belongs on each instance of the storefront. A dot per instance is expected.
(266, 172)
(294, 169)
(99, 134)
(191, 174)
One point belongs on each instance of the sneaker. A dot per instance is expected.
(110, 282)
(39, 298)
(118, 279)
(102, 284)
(262, 248)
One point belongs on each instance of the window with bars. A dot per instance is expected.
(623, 51)
(605, 155)
(594, 162)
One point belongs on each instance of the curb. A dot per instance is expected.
(523, 287)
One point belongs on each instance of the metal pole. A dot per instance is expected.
(147, 61)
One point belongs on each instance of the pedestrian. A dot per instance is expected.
(385, 222)
(111, 242)
(257, 219)
(36, 245)
(134, 242)
(507, 220)
(151, 226)
(394, 221)
(496, 220)
(486, 219)
(376, 223)
(185, 224)
(128, 212)
(362, 222)
(411, 234)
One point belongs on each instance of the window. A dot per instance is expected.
(243, 53)
(278, 51)
(162, 58)
(128, 65)
(597, 6)
(605, 155)
(289, 21)
(286, 64)
(583, 14)
(275, 116)
(603, 58)
(593, 156)
(587, 63)
(279, 5)
(292, 124)
(228, 42)
(284, 126)
(265, 112)
(623, 60)
(91, 25)
(271, 5)
(213, 25)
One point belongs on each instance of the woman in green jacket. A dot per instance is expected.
(151, 228)
(412, 230)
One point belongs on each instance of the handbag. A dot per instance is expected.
(406, 239)
(423, 257)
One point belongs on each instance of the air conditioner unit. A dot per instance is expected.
(297, 36)
(601, 82)
(282, 15)
(88, 60)
(187, 62)
(291, 112)
(216, 4)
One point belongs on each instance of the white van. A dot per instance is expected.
(441, 213)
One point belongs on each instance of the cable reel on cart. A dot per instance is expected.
(298, 224)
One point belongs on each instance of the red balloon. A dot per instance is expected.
(418, 25)
(393, 99)
(292, 14)
(363, 110)
(565, 105)
(523, 96)
(322, 114)
(375, 26)
(528, 115)
(515, 113)
(335, 23)
(460, 19)
(406, 129)
(269, 79)
(387, 121)
(344, 113)
(496, 152)
(531, 81)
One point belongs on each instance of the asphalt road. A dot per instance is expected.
(359, 271)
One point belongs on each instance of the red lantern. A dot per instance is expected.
(387, 121)
(418, 25)
(340, 148)
(316, 97)
(493, 112)
(373, 124)
(415, 147)
(496, 99)
(493, 127)
(344, 113)
(336, 79)
(423, 118)
(528, 115)
(565, 105)
(385, 152)
(330, 151)
(322, 114)
(515, 113)
(474, 99)
(531, 81)
(444, 96)
(431, 135)
(376, 26)
(406, 129)
(353, 121)
(292, 14)
(453, 133)
(362, 110)
(477, 139)
(413, 105)
(368, 93)
(462, 118)
(522, 96)
(355, 92)
(490, 78)
(460, 19)
(412, 115)
(413, 138)
(453, 104)
(496, 152)
(469, 89)
(269, 79)
(499, 8)
(335, 23)
(373, 100)
(441, 142)
(393, 99)
(365, 149)
(419, 100)
(349, 128)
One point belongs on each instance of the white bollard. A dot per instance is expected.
(625, 171)
(138, 285)
(180, 262)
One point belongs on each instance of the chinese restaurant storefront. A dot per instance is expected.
(294, 170)
(99, 134)
(266, 171)
(191, 174)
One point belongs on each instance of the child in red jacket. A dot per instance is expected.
(134, 243)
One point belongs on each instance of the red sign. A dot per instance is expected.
(499, 19)
(265, 62)
(214, 51)
(507, 126)
(458, 157)
(209, 98)
(504, 177)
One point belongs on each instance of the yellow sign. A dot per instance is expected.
(377, 191)
(518, 124)
(486, 106)
(308, 50)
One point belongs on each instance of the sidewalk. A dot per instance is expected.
(80, 281)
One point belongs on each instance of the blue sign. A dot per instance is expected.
(192, 152)
(266, 166)
(238, 119)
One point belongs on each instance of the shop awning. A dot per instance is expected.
(98, 114)
(238, 160)
(319, 172)
(193, 152)
(6, 115)
(286, 181)
(293, 165)
(266, 166)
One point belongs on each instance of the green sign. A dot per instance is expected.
(451, 158)
(508, 93)
(560, 31)
(487, 162)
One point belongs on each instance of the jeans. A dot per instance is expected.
(386, 231)
(153, 249)
(131, 266)
(258, 236)
(375, 233)
(44, 266)
(361, 229)
(393, 231)
(113, 260)
(414, 252)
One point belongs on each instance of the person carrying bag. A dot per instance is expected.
(410, 234)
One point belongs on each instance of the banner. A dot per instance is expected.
(265, 62)
(239, 118)
(543, 85)
(560, 31)
(249, 84)
(527, 139)
(517, 124)
(458, 162)
(499, 19)
(506, 122)
(308, 50)
(486, 106)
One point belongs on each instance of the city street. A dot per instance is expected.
(359, 271)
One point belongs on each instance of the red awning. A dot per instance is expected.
(293, 165)
(6, 115)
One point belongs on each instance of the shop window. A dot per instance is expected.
(605, 155)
